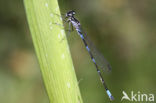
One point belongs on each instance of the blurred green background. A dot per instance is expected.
(123, 30)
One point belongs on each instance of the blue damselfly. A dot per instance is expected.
(73, 22)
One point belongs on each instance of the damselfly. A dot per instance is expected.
(69, 17)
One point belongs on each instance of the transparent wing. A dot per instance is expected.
(99, 58)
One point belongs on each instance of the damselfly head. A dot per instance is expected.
(70, 13)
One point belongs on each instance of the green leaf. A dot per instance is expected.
(52, 51)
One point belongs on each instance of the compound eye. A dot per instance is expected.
(70, 13)
(73, 12)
